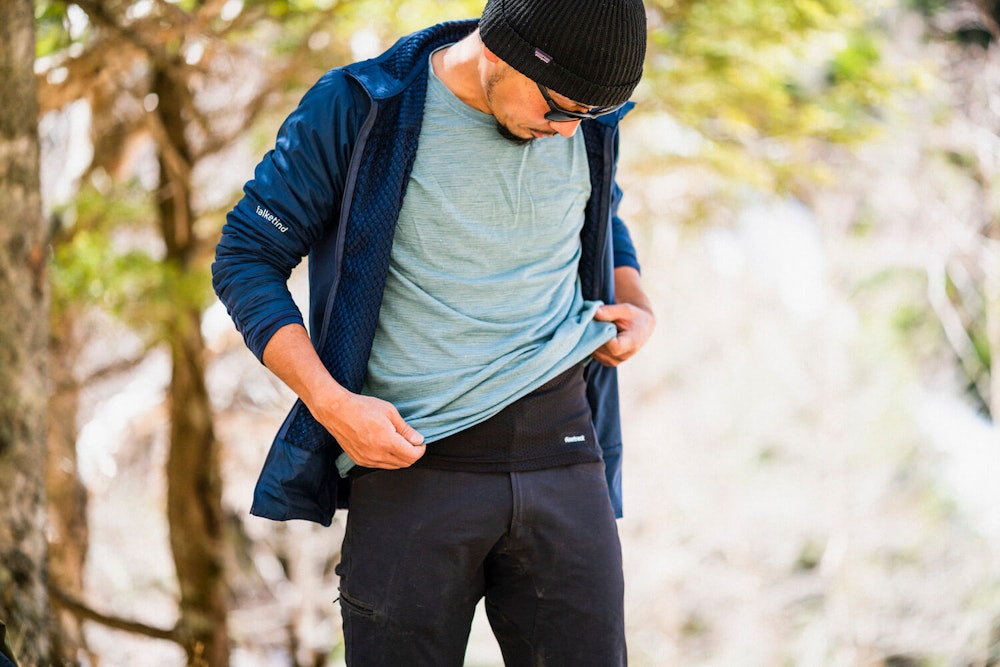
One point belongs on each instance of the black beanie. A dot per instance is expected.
(590, 51)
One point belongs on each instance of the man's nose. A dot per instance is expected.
(566, 128)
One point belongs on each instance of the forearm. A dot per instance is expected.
(628, 289)
(368, 429)
(290, 355)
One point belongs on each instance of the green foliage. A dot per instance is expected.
(927, 7)
(388, 19)
(764, 82)
(896, 301)
(106, 259)
(856, 61)
(51, 28)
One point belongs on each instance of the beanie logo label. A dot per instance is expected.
(544, 57)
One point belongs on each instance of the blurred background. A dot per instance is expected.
(812, 461)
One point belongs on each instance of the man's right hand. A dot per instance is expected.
(370, 430)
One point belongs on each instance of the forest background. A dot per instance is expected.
(812, 458)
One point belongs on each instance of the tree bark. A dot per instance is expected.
(69, 534)
(194, 507)
(23, 340)
(194, 486)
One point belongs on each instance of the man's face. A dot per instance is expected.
(519, 107)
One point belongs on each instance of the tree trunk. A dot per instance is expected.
(67, 496)
(23, 340)
(194, 487)
(194, 500)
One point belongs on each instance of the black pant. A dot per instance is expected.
(424, 545)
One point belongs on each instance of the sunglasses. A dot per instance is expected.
(557, 114)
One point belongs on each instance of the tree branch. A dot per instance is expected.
(100, 15)
(955, 331)
(82, 611)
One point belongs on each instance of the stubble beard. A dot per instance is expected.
(504, 132)
(502, 129)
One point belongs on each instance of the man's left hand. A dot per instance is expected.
(635, 326)
(632, 315)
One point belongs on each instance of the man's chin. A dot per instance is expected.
(505, 132)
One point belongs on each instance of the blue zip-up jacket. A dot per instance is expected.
(331, 189)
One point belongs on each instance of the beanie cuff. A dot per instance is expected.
(503, 40)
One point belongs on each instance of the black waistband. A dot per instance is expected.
(549, 427)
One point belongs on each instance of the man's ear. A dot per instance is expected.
(490, 56)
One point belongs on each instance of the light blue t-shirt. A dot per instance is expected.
(482, 303)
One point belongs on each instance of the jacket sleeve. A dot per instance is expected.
(292, 200)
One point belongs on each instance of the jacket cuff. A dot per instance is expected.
(259, 339)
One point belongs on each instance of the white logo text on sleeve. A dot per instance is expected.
(272, 218)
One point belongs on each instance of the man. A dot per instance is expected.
(465, 256)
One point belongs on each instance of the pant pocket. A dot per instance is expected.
(352, 605)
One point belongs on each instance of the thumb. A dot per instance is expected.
(608, 313)
(407, 431)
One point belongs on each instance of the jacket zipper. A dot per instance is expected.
(604, 210)
(345, 208)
